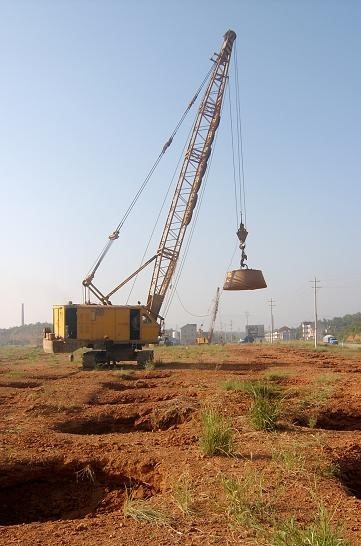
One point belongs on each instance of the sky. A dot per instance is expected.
(89, 93)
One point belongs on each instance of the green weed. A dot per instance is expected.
(217, 434)
(327, 378)
(291, 459)
(183, 491)
(320, 533)
(329, 470)
(262, 388)
(141, 510)
(123, 374)
(264, 413)
(318, 395)
(232, 385)
(312, 421)
(277, 375)
(149, 365)
(247, 502)
(15, 374)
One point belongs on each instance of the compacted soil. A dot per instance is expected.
(113, 457)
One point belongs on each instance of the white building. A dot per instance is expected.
(308, 330)
(282, 334)
(287, 334)
(171, 337)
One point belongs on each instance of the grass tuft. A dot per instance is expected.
(85, 474)
(312, 421)
(247, 502)
(217, 434)
(292, 459)
(320, 533)
(183, 491)
(277, 375)
(265, 409)
(149, 365)
(141, 510)
(123, 374)
(232, 385)
(263, 388)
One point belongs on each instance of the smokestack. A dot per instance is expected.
(22, 315)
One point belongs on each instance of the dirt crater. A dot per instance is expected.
(349, 465)
(21, 384)
(47, 492)
(105, 399)
(120, 386)
(168, 414)
(330, 420)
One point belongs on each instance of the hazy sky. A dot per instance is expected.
(91, 90)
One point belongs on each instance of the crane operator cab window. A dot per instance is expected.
(134, 324)
(71, 322)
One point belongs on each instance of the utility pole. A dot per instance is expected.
(315, 288)
(247, 316)
(22, 315)
(272, 305)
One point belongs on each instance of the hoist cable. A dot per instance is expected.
(115, 233)
(236, 246)
(159, 214)
(240, 143)
(233, 158)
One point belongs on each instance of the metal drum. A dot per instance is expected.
(244, 279)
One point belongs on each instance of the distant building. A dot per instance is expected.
(171, 337)
(287, 334)
(308, 330)
(188, 334)
(255, 330)
(272, 337)
(282, 334)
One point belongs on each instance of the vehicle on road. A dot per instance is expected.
(330, 340)
(247, 339)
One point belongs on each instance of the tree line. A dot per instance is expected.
(348, 326)
(29, 334)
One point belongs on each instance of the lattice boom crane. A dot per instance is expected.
(119, 332)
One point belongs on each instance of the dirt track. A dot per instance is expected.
(74, 444)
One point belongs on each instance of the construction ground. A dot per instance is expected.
(120, 457)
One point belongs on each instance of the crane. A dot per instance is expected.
(119, 332)
(201, 340)
(214, 315)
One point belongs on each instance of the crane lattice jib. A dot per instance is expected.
(190, 177)
(214, 315)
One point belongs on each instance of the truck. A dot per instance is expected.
(330, 340)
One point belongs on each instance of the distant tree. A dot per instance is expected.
(343, 327)
(29, 334)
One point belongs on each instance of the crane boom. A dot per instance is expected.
(214, 315)
(190, 177)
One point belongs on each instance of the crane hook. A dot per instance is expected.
(242, 236)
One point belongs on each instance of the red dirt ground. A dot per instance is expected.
(75, 444)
